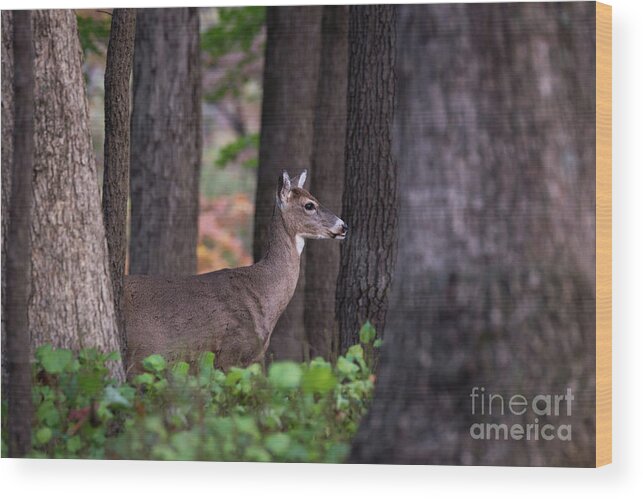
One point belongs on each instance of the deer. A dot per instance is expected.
(231, 312)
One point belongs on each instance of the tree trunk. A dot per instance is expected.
(18, 261)
(370, 187)
(287, 115)
(7, 158)
(71, 300)
(327, 181)
(118, 69)
(494, 285)
(166, 142)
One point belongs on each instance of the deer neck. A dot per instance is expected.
(283, 248)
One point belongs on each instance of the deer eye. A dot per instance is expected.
(309, 206)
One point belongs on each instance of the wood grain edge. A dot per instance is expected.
(603, 234)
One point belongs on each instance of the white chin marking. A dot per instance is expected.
(300, 241)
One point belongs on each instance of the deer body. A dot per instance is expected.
(231, 312)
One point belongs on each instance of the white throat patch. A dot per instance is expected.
(300, 241)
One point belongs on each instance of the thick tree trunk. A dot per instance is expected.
(71, 300)
(287, 115)
(327, 181)
(118, 69)
(494, 285)
(7, 158)
(370, 187)
(166, 142)
(18, 255)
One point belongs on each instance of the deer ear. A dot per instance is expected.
(283, 189)
(302, 179)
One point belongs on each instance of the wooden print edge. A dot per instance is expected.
(603, 234)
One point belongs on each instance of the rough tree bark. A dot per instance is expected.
(495, 283)
(18, 254)
(166, 142)
(287, 115)
(7, 158)
(118, 69)
(71, 299)
(327, 181)
(369, 204)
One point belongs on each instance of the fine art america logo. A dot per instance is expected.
(540, 406)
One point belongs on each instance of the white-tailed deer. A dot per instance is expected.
(230, 312)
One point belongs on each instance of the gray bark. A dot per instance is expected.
(495, 283)
(7, 158)
(287, 115)
(71, 300)
(370, 188)
(327, 181)
(118, 69)
(166, 142)
(18, 250)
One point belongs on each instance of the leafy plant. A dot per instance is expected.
(93, 32)
(235, 32)
(230, 152)
(299, 412)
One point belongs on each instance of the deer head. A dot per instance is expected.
(303, 215)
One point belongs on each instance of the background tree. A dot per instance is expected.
(166, 142)
(327, 180)
(494, 283)
(369, 204)
(289, 96)
(7, 159)
(71, 299)
(118, 69)
(18, 256)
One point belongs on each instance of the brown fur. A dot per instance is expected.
(231, 312)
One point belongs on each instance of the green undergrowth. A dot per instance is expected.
(294, 412)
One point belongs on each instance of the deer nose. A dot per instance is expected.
(345, 228)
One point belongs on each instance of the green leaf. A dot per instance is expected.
(319, 379)
(93, 33)
(235, 30)
(233, 376)
(113, 397)
(256, 453)
(367, 333)
(337, 452)
(43, 435)
(346, 367)
(206, 363)
(154, 363)
(377, 343)
(247, 425)
(113, 356)
(48, 413)
(278, 443)
(54, 361)
(90, 383)
(284, 374)
(144, 379)
(355, 352)
(230, 152)
(181, 369)
(74, 444)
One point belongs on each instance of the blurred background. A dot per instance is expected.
(232, 54)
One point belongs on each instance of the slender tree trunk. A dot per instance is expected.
(118, 69)
(18, 256)
(71, 299)
(327, 181)
(287, 115)
(7, 159)
(370, 188)
(166, 142)
(494, 285)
